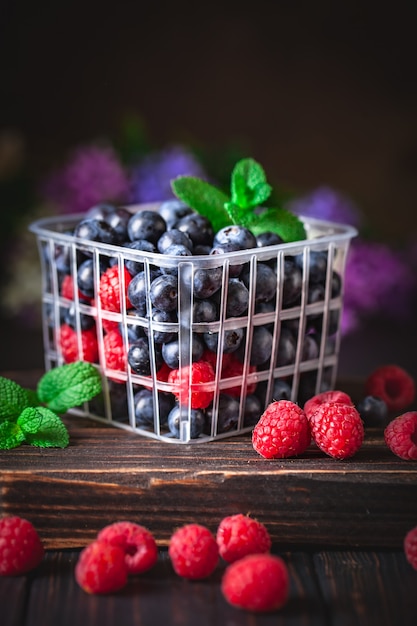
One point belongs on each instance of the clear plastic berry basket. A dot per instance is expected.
(208, 369)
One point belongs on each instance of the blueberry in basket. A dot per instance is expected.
(188, 286)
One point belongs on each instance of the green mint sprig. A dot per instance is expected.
(28, 416)
(249, 190)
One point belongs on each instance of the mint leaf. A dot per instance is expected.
(278, 220)
(11, 435)
(70, 385)
(42, 427)
(248, 185)
(204, 198)
(13, 399)
(33, 399)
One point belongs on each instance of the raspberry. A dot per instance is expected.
(282, 431)
(21, 549)
(239, 535)
(393, 384)
(101, 568)
(337, 429)
(110, 289)
(137, 543)
(313, 403)
(233, 367)
(410, 547)
(258, 582)
(201, 372)
(401, 436)
(114, 351)
(69, 344)
(193, 552)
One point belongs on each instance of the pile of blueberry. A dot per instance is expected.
(266, 317)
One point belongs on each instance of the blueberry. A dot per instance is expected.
(237, 236)
(287, 348)
(171, 237)
(261, 347)
(207, 281)
(116, 217)
(310, 349)
(86, 321)
(95, 230)
(373, 411)
(235, 269)
(161, 318)
(179, 250)
(172, 211)
(134, 331)
(237, 298)
(336, 288)
(268, 239)
(146, 224)
(145, 407)
(139, 357)
(134, 267)
(138, 288)
(85, 276)
(233, 338)
(204, 310)
(317, 265)
(197, 421)
(171, 351)
(293, 283)
(252, 411)
(281, 390)
(265, 282)
(198, 228)
(227, 415)
(163, 292)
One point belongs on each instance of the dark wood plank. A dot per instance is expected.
(365, 588)
(13, 599)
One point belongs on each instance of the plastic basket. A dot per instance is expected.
(302, 337)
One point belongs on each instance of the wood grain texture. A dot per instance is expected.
(107, 474)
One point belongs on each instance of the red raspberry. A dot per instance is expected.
(410, 547)
(239, 535)
(69, 344)
(193, 552)
(233, 367)
(393, 384)
(337, 429)
(101, 568)
(401, 436)
(201, 372)
(313, 403)
(282, 431)
(110, 289)
(258, 582)
(67, 289)
(21, 549)
(114, 351)
(137, 543)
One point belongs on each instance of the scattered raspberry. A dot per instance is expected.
(313, 403)
(110, 289)
(21, 549)
(101, 568)
(193, 552)
(114, 351)
(201, 372)
(337, 429)
(69, 344)
(410, 547)
(239, 535)
(282, 431)
(137, 543)
(393, 384)
(401, 436)
(258, 582)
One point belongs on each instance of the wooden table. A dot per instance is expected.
(338, 524)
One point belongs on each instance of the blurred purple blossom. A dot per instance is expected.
(378, 281)
(151, 178)
(93, 174)
(326, 204)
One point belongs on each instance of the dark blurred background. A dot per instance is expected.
(321, 93)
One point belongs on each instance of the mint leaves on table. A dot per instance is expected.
(249, 190)
(28, 416)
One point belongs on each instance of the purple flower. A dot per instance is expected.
(93, 174)
(377, 282)
(326, 204)
(151, 179)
